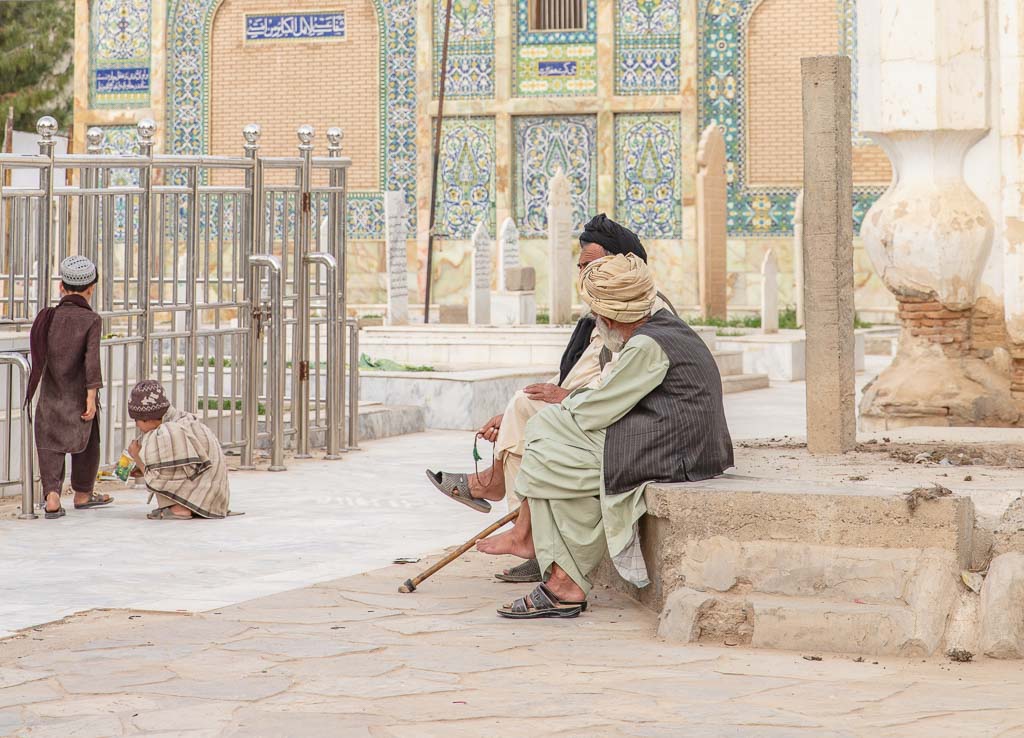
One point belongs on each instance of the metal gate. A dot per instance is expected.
(209, 283)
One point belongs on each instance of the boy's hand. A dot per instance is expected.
(134, 449)
(90, 409)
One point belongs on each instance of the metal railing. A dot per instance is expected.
(184, 246)
(26, 477)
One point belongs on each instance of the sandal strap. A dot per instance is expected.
(455, 484)
(543, 598)
(529, 568)
(519, 606)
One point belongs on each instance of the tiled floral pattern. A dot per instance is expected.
(466, 196)
(647, 47)
(119, 54)
(470, 49)
(543, 145)
(647, 176)
(188, 88)
(761, 211)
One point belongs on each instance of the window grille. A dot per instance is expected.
(557, 15)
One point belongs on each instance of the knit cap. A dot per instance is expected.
(77, 271)
(148, 401)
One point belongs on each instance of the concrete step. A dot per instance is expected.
(730, 363)
(744, 382)
(797, 565)
(805, 624)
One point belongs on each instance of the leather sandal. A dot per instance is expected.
(456, 486)
(95, 500)
(543, 604)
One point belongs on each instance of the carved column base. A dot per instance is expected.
(929, 383)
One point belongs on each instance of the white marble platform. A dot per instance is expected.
(462, 400)
(782, 355)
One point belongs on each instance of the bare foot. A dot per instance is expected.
(508, 543)
(180, 511)
(563, 587)
(488, 484)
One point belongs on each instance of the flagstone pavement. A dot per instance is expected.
(353, 657)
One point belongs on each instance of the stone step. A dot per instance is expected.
(802, 624)
(730, 363)
(798, 565)
(744, 382)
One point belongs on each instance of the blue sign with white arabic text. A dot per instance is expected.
(135, 79)
(556, 68)
(295, 25)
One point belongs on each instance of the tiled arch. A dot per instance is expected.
(721, 67)
(188, 89)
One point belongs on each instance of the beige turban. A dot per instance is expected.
(618, 287)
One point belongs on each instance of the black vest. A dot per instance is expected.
(677, 433)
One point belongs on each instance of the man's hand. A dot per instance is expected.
(90, 407)
(549, 393)
(490, 430)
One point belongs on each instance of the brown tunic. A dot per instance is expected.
(72, 367)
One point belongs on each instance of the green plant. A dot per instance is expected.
(543, 318)
(386, 365)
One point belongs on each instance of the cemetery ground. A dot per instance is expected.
(287, 621)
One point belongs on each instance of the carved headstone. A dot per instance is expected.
(711, 223)
(769, 294)
(828, 254)
(480, 287)
(396, 233)
(508, 258)
(560, 266)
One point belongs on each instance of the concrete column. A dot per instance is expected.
(395, 237)
(480, 287)
(560, 266)
(828, 254)
(711, 223)
(769, 293)
(508, 256)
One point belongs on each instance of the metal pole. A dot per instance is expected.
(338, 248)
(250, 231)
(437, 159)
(192, 290)
(46, 128)
(27, 470)
(300, 339)
(275, 356)
(146, 131)
(330, 264)
(353, 387)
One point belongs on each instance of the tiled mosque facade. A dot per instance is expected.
(617, 102)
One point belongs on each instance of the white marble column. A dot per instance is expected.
(480, 284)
(769, 293)
(396, 234)
(798, 258)
(925, 98)
(508, 244)
(560, 266)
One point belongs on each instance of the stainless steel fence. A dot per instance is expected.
(206, 281)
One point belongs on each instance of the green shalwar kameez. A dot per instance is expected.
(574, 522)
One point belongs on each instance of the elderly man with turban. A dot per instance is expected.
(656, 417)
(585, 361)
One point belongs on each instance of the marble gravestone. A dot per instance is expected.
(769, 293)
(798, 258)
(508, 258)
(480, 284)
(395, 236)
(560, 266)
(711, 223)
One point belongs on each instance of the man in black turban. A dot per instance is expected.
(584, 361)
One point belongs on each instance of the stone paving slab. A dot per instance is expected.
(465, 672)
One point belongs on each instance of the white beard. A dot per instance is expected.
(611, 338)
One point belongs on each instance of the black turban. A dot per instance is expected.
(615, 239)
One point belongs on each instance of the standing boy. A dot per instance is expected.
(65, 345)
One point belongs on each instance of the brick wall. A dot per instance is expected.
(779, 34)
(284, 83)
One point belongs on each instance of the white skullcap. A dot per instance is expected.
(77, 271)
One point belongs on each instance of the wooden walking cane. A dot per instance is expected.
(411, 584)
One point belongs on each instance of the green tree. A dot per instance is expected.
(36, 54)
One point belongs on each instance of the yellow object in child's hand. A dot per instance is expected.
(124, 468)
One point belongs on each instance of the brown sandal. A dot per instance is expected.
(164, 513)
(95, 500)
